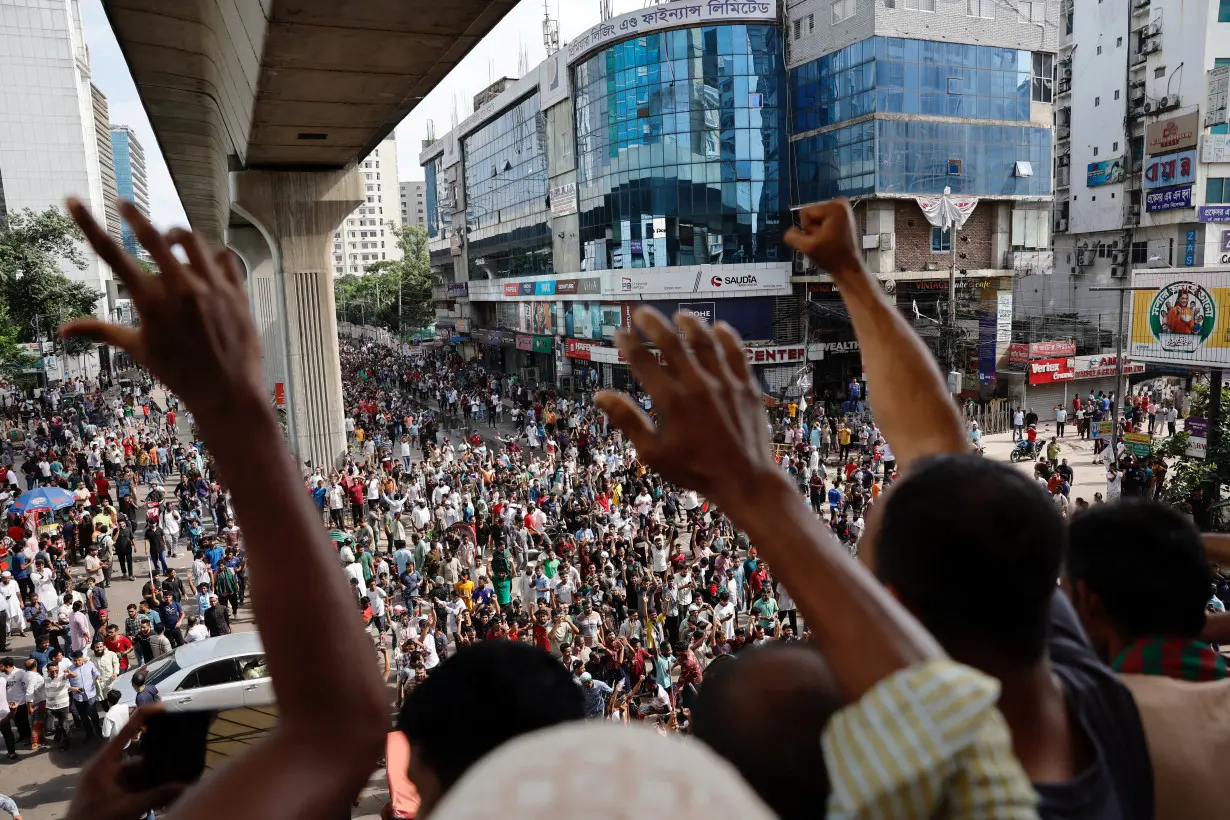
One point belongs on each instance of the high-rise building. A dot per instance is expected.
(130, 179)
(413, 203)
(106, 161)
(1143, 165)
(48, 142)
(366, 236)
(654, 161)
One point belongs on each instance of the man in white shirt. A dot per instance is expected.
(1114, 483)
(197, 631)
(724, 612)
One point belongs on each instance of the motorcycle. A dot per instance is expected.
(1024, 449)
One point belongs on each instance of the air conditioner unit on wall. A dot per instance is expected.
(1117, 271)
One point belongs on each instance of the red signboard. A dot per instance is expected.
(1049, 371)
(279, 394)
(525, 342)
(577, 349)
(511, 289)
(1020, 353)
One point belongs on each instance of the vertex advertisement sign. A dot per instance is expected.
(1051, 371)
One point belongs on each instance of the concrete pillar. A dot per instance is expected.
(882, 221)
(296, 213)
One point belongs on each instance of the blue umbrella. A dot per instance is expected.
(43, 499)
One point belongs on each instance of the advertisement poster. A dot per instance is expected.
(1106, 172)
(1175, 134)
(1183, 322)
(1197, 437)
(1171, 169)
(1170, 199)
(1050, 371)
(1138, 444)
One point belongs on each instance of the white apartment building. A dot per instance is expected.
(1139, 169)
(48, 141)
(414, 203)
(366, 236)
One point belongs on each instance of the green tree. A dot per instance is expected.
(1186, 474)
(392, 294)
(35, 296)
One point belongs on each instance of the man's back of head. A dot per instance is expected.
(1137, 570)
(972, 547)
(764, 711)
(497, 690)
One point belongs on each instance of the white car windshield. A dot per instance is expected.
(161, 669)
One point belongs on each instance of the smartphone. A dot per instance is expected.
(178, 747)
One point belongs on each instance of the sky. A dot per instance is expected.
(496, 56)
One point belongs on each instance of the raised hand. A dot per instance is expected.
(196, 334)
(711, 433)
(828, 237)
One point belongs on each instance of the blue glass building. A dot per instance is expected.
(130, 180)
(883, 116)
(680, 146)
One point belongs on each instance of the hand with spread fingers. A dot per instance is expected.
(110, 787)
(711, 433)
(196, 333)
(828, 236)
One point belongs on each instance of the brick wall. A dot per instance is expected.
(913, 241)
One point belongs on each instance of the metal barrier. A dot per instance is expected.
(994, 416)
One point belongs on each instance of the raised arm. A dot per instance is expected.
(895, 361)
(864, 633)
(197, 337)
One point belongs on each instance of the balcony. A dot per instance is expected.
(1139, 6)
(1063, 133)
(1030, 262)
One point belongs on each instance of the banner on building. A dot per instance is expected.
(673, 15)
(1174, 134)
(1213, 213)
(564, 200)
(1020, 352)
(1050, 371)
(1106, 172)
(1003, 322)
(1170, 170)
(947, 210)
(1219, 91)
(1184, 321)
(1215, 148)
(1169, 199)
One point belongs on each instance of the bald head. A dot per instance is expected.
(764, 711)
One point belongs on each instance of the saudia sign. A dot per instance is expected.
(746, 281)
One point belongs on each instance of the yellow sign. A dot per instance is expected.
(1186, 321)
(1141, 444)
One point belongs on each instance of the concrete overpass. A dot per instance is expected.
(261, 109)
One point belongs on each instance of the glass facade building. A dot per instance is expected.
(680, 145)
(506, 193)
(887, 76)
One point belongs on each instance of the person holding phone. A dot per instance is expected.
(197, 337)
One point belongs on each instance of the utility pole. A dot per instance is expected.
(1117, 404)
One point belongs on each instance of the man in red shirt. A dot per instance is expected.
(119, 644)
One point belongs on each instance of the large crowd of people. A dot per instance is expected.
(849, 627)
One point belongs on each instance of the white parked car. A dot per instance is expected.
(226, 672)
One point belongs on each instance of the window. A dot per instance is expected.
(1099, 49)
(1116, 93)
(980, 8)
(1118, 42)
(1095, 150)
(1044, 78)
(1032, 11)
(798, 29)
(1097, 101)
(1159, 73)
(211, 674)
(842, 10)
(811, 23)
(941, 240)
(1223, 11)
(1217, 191)
(1220, 129)
(920, 5)
(1115, 147)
